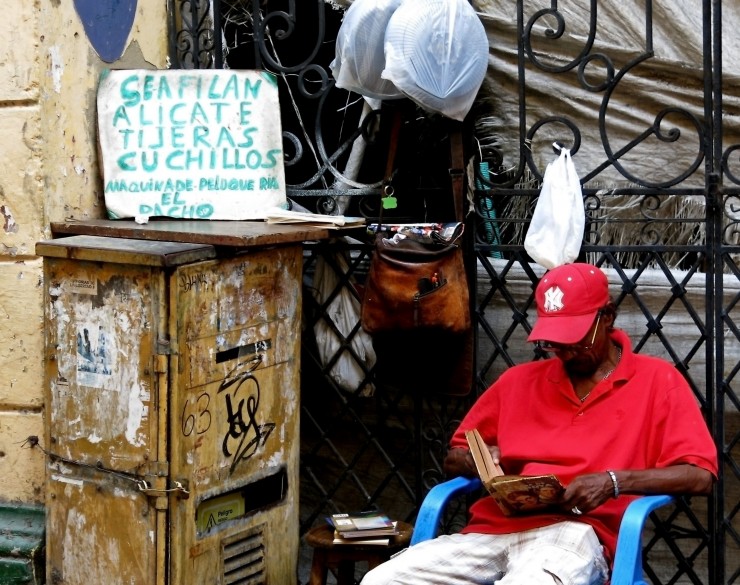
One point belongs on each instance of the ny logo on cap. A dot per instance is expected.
(553, 299)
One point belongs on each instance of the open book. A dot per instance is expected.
(514, 494)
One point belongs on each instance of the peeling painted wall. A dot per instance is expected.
(50, 172)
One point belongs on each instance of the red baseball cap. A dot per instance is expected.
(568, 298)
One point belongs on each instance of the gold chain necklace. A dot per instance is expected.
(605, 376)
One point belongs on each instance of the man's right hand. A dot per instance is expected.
(459, 461)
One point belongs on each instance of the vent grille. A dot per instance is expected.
(243, 557)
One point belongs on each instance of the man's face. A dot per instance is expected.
(580, 364)
(583, 358)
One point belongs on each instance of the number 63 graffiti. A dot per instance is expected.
(241, 392)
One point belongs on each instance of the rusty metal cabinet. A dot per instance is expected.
(172, 412)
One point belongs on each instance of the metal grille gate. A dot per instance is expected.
(677, 298)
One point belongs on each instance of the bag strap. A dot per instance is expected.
(392, 147)
(457, 171)
(457, 167)
(389, 172)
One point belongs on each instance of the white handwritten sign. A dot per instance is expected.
(190, 144)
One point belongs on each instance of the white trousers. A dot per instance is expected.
(567, 553)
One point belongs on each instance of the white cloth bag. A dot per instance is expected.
(359, 55)
(556, 230)
(348, 372)
(436, 53)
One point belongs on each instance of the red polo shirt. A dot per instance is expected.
(642, 416)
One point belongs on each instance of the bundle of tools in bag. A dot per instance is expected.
(416, 279)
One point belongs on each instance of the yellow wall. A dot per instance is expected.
(49, 172)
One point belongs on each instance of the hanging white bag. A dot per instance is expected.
(359, 55)
(436, 53)
(556, 231)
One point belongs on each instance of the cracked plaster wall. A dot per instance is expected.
(49, 171)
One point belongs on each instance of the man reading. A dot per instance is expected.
(610, 424)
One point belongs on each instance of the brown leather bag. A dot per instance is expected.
(438, 354)
(414, 284)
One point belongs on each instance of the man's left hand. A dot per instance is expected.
(587, 492)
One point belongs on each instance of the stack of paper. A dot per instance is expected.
(277, 215)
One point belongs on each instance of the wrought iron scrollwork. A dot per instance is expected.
(596, 72)
(731, 232)
(314, 109)
(554, 34)
(280, 25)
(195, 39)
(726, 163)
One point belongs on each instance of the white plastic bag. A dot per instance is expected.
(359, 59)
(436, 53)
(556, 230)
(344, 311)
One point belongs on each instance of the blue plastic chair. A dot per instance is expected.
(627, 568)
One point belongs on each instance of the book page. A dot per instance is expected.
(525, 494)
(514, 494)
(487, 469)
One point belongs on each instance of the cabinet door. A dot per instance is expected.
(234, 413)
(101, 326)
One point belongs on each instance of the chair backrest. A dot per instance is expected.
(627, 569)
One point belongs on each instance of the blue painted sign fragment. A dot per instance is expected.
(107, 25)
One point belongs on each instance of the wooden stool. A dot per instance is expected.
(342, 557)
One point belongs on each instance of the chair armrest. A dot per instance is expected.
(628, 557)
(433, 506)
